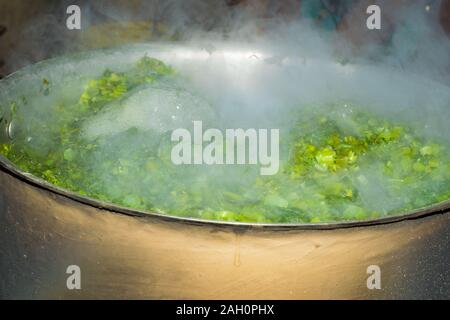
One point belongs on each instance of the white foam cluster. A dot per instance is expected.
(150, 108)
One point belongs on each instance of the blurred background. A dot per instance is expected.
(34, 30)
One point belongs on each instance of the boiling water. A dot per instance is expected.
(111, 140)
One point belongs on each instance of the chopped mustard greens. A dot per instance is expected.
(338, 164)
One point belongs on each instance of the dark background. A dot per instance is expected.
(34, 30)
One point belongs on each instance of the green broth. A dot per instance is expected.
(339, 162)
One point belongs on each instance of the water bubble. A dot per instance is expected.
(10, 130)
(150, 108)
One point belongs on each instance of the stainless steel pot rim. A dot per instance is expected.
(11, 169)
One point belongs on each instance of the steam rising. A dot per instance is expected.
(246, 70)
(417, 43)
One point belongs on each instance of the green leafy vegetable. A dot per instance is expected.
(336, 160)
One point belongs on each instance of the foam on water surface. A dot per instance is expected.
(150, 108)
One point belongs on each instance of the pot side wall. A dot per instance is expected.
(121, 256)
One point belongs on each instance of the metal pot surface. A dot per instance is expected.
(124, 253)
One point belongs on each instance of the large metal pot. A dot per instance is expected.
(125, 253)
